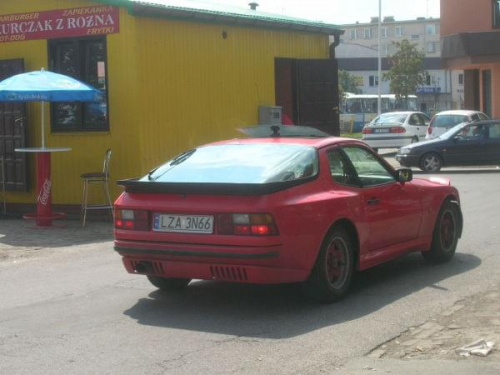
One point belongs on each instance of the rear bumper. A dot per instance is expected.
(387, 142)
(245, 265)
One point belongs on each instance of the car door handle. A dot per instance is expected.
(373, 201)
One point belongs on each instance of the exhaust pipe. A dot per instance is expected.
(143, 267)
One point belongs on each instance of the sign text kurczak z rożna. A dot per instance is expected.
(61, 23)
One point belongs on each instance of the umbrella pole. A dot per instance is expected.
(43, 124)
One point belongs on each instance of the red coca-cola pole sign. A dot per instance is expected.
(44, 189)
(44, 214)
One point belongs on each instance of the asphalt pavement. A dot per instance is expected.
(48, 274)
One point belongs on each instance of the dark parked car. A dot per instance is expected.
(465, 144)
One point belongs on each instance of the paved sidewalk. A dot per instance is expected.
(430, 348)
(467, 321)
(21, 239)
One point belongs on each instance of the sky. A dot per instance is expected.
(344, 11)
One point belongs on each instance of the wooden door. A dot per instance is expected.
(13, 133)
(318, 95)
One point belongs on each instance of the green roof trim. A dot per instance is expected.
(200, 11)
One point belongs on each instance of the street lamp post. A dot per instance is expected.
(379, 101)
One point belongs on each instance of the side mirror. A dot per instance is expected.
(404, 175)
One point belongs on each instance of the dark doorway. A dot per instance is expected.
(487, 92)
(471, 89)
(13, 133)
(284, 73)
(308, 92)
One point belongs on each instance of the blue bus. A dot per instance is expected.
(359, 109)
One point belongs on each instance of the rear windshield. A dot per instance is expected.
(448, 121)
(250, 164)
(390, 119)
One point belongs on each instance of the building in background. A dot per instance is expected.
(174, 76)
(358, 51)
(470, 32)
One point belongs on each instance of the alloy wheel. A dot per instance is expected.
(447, 230)
(431, 163)
(337, 262)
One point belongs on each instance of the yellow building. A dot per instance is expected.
(174, 77)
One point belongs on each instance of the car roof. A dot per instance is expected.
(399, 113)
(485, 122)
(464, 112)
(313, 142)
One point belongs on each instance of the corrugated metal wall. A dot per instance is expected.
(172, 85)
(205, 86)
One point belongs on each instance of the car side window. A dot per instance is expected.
(482, 116)
(340, 170)
(474, 117)
(424, 120)
(472, 132)
(495, 131)
(414, 120)
(369, 169)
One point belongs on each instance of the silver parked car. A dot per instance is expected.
(443, 121)
(395, 129)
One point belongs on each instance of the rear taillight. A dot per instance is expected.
(246, 224)
(132, 219)
(429, 130)
(398, 129)
(367, 131)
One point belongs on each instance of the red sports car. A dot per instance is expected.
(281, 209)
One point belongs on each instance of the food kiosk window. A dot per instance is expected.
(83, 59)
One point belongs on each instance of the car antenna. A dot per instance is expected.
(276, 131)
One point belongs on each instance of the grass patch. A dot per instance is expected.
(351, 135)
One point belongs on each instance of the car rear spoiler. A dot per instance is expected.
(140, 186)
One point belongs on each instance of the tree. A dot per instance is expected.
(407, 71)
(348, 83)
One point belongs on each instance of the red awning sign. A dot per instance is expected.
(62, 23)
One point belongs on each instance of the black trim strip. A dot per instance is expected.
(138, 186)
(386, 138)
(204, 254)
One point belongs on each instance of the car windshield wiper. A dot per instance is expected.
(151, 172)
(182, 157)
(175, 161)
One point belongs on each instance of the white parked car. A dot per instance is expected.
(443, 121)
(395, 129)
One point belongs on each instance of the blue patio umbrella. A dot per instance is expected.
(44, 86)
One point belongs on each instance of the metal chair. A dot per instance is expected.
(2, 181)
(96, 178)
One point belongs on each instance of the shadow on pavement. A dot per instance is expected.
(277, 312)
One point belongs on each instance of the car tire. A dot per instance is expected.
(445, 234)
(168, 284)
(431, 162)
(334, 268)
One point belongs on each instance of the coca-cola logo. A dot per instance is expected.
(43, 196)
